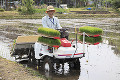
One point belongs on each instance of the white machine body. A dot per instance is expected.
(41, 50)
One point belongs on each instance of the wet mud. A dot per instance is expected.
(101, 62)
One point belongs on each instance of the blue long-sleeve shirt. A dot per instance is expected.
(52, 23)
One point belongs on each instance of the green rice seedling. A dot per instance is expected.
(91, 39)
(91, 30)
(49, 41)
(48, 32)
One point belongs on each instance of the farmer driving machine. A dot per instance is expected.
(52, 46)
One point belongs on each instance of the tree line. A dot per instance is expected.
(27, 5)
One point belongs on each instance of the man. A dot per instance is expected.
(49, 21)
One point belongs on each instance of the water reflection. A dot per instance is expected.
(101, 62)
(57, 74)
(61, 74)
(5, 50)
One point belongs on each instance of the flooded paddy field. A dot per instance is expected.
(101, 62)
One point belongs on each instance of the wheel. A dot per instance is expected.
(57, 65)
(48, 64)
(32, 56)
(29, 56)
(75, 64)
(38, 62)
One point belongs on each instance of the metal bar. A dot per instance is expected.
(83, 42)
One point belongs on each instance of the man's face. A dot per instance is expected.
(50, 13)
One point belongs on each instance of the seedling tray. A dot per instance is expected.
(49, 41)
(48, 32)
(91, 31)
(91, 40)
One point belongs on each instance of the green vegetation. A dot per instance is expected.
(91, 30)
(58, 10)
(29, 10)
(116, 4)
(48, 32)
(40, 11)
(25, 10)
(61, 10)
(91, 39)
(2, 10)
(16, 15)
(49, 41)
(27, 7)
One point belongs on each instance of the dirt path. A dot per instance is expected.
(13, 71)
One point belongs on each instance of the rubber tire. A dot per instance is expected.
(50, 63)
(75, 65)
(32, 56)
(29, 56)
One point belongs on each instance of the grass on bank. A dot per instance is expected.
(39, 13)
(19, 67)
(16, 15)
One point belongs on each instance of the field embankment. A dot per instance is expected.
(16, 15)
(13, 71)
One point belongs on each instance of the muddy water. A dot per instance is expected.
(5, 50)
(101, 62)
